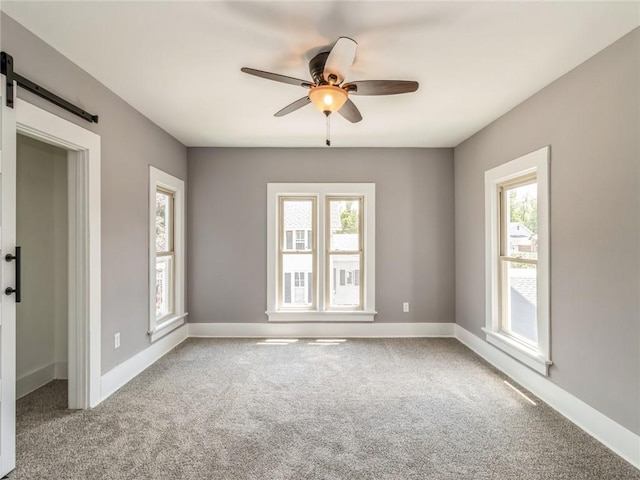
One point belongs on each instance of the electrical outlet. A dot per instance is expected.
(405, 307)
(116, 340)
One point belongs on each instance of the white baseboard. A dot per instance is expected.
(35, 379)
(610, 433)
(321, 330)
(61, 370)
(116, 378)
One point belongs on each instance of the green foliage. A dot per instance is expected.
(524, 209)
(349, 220)
(161, 228)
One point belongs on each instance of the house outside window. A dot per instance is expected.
(517, 259)
(315, 231)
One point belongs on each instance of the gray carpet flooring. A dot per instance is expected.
(361, 409)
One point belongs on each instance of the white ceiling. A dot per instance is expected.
(179, 62)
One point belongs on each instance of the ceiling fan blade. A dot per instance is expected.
(293, 107)
(350, 112)
(276, 77)
(340, 60)
(381, 87)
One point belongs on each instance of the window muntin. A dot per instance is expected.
(297, 252)
(519, 258)
(165, 253)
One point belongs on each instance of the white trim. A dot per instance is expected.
(534, 162)
(61, 371)
(327, 316)
(84, 241)
(33, 380)
(39, 377)
(119, 376)
(610, 433)
(158, 178)
(167, 325)
(321, 191)
(518, 350)
(321, 330)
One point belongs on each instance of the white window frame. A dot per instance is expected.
(164, 181)
(536, 356)
(321, 311)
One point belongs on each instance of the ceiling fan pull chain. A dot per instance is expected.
(328, 130)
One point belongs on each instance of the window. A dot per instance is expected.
(517, 259)
(166, 253)
(345, 249)
(321, 249)
(297, 260)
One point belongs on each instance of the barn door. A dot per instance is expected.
(9, 282)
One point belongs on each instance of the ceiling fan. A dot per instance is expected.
(327, 90)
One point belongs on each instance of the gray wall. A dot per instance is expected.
(590, 117)
(227, 226)
(130, 143)
(42, 232)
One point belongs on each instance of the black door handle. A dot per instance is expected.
(17, 257)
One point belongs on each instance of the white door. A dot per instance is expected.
(7, 281)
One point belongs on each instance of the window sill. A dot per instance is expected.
(167, 325)
(529, 356)
(316, 316)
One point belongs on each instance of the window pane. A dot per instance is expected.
(163, 222)
(164, 286)
(521, 302)
(297, 217)
(287, 288)
(522, 214)
(344, 221)
(296, 271)
(345, 293)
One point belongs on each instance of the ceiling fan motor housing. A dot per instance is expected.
(316, 68)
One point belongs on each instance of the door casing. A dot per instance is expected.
(83, 147)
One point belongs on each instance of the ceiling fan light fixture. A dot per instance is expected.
(328, 98)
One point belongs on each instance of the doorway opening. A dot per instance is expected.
(82, 150)
(42, 317)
